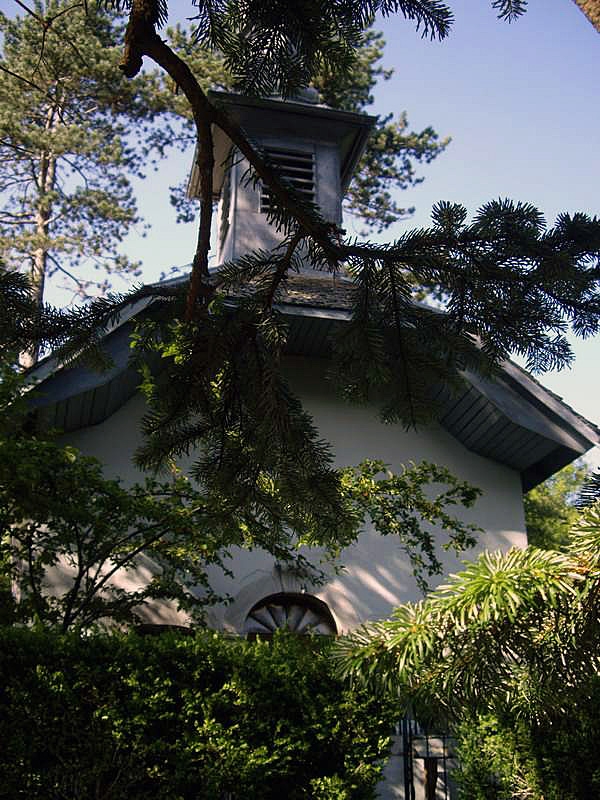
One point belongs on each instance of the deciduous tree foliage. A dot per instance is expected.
(82, 549)
(131, 717)
(555, 759)
(550, 508)
(506, 657)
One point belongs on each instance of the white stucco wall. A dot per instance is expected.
(377, 576)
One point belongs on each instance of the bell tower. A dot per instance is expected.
(316, 148)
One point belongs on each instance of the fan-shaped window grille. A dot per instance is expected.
(296, 167)
(299, 613)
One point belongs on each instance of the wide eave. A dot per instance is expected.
(511, 419)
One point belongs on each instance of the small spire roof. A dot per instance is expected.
(298, 117)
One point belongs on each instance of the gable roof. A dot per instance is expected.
(511, 419)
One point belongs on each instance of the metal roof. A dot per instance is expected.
(511, 419)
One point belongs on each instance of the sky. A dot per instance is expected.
(521, 103)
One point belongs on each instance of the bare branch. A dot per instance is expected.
(283, 267)
(199, 276)
(64, 11)
(30, 12)
(81, 285)
(18, 218)
(78, 170)
(142, 40)
(21, 78)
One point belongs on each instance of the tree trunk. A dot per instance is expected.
(39, 264)
(591, 8)
(37, 273)
(37, 276)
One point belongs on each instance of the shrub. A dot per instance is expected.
(177, 717)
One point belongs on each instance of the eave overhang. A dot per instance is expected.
(511, 419)
(259, 117)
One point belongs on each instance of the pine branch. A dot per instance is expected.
(199, 283)
(283, 268)
(509, 10)
(22, 79)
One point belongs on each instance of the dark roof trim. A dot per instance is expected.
(358, 125)
(513, 419)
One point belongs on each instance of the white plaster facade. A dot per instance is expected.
(377, 576)
(514, 421)
(499, 435)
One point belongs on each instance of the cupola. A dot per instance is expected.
(316, 147)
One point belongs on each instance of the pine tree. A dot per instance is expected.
(509, 646)
(66, 159)
(508, 282)
(392, 151)
(72, 135)
(551, 508)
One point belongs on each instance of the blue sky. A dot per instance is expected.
(521, 102)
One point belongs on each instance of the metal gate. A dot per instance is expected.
(420, 765)
(428, 762)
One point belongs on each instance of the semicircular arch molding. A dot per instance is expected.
(294, 611)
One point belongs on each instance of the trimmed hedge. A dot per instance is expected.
(177, 717)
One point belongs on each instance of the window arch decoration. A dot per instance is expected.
(297, 612)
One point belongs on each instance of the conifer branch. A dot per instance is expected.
(22, 78)
(29, 11)
(283, 267)
(199, 279)
(142, 39)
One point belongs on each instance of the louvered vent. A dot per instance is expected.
(297, 167)
(297, 613)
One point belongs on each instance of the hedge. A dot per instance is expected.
(177, 717)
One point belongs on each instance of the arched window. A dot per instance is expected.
(298, 613)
